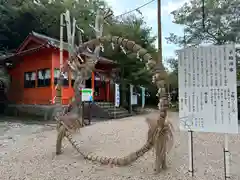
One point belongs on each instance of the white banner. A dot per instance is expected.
(131, 94)
(117, 95)
(134, 99)
(207, 89)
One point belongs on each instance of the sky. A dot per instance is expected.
(150, 16)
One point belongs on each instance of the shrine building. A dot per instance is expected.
(34, 70)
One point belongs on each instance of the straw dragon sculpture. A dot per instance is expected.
(82, 63)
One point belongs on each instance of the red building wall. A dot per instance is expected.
(32, 62)
(67, 92)
(47, 57)
(42, 59)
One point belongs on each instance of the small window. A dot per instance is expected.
(29, 79)
(66, 79)
(56, 76)
(44, 78)
(89, 83)
(97, 87)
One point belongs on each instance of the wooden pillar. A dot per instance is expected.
(52, 85)
(36, 85)
(108, 89)
(93, 83)
(36, 78)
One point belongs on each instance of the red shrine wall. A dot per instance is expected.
(25, 87)
(30, 87)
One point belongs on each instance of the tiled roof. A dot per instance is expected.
(52, 41)
(56, 43)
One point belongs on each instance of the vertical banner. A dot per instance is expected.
(117, 95)
(143, 97)
(131, 94)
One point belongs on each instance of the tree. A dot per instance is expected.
(221, 22)
(132, 28)
(173, 64)
(173, 73)
(18, 18)
(21, 17)
(132, 69)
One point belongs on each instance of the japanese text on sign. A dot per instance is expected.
(207, 89)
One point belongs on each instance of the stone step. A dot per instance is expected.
(119, 109)
(114, 112)
(109, 106)
(104, 103)
(118, 112)
(119, 116)
(116, 109)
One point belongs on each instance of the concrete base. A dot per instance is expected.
(48, 111)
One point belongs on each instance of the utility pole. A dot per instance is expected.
(159, 31)
(58, 98)
(160, 57)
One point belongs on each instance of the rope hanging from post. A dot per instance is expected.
(160, 132)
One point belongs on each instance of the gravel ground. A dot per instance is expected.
(28, 152)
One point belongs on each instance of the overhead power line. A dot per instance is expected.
(136, 9)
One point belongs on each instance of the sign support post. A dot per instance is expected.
(190, 152)
(87, 96)
(226, 158)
